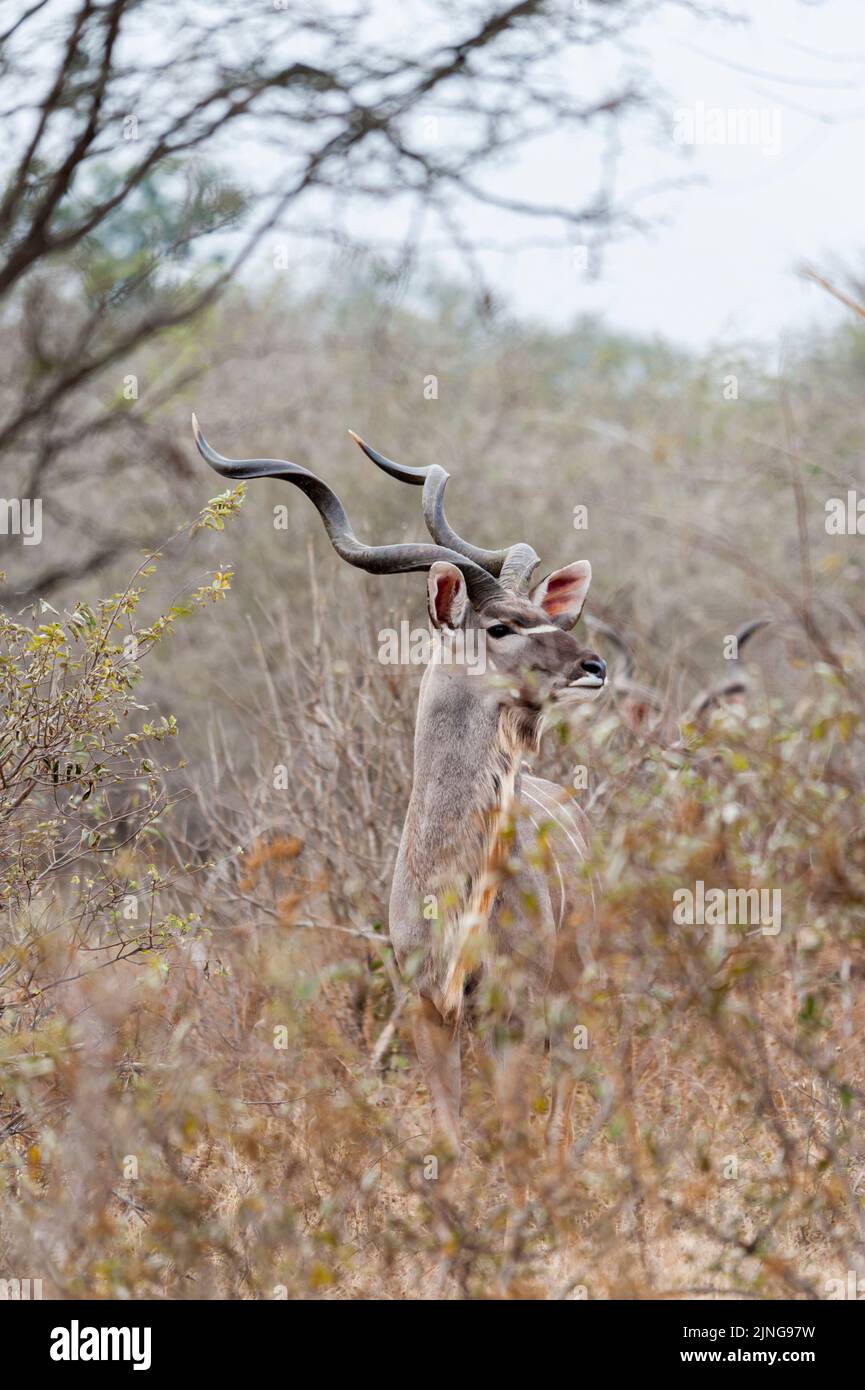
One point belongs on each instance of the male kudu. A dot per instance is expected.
(471, 901)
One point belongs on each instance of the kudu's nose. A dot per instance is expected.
(594, 666)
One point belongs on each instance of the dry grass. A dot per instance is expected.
(236, 1111)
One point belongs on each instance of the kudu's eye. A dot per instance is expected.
(500, 630)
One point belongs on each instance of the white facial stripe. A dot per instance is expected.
(545, 627)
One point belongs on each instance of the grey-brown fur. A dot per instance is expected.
(471, 737)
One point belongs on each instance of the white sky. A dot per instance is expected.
(721, 265)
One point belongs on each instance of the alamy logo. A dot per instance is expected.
(18, 1289)
(75, 1343)
(729, 125)
(445, 647)
(850, 1288)
(21, 516)
(845, 517)
(734, 907)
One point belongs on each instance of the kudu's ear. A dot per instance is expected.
(562, 594)
(448, 599)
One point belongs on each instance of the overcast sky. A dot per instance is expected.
(721, 263)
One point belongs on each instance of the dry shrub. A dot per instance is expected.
(234, 1110)
(239, 1114)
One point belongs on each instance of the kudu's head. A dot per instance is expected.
(525, 627)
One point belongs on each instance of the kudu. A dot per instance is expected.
(470, 885)
(646, 710)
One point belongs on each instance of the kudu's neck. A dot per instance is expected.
(467, 758)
